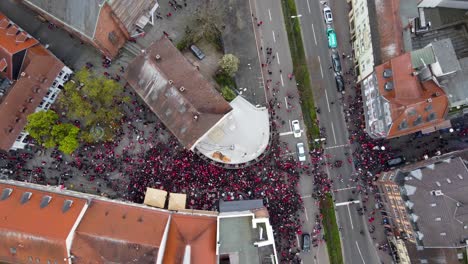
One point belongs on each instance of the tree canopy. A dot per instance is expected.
(94, 101)
(229, 64)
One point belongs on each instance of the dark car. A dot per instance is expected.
(396, 161)
(306, 242)
(339, 83)
(336, 62)
(197, 52)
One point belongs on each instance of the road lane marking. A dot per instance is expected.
(307, 218)
(286, 133)
(350, 219)
(286, 102)
(360, 253)
(321, 70)
(290, 125)
(333, 130)
(282, 81)
(269, 13)
(337, 146)
(306, 196)
(344, 189)
(274, 38)
(349, 202)
(277, 58)
(308, 6)
(313, 31)
(328, 102)
(297, 236)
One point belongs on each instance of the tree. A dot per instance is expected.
(69, 138)
(94, 101)
(229, 64)
(40, 125)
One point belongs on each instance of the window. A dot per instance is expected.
(13, 250)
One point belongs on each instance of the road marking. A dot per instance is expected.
(321, 70)
(360, 253)
(308, 6)
(307, 218)
(282, 81)
(274, 38)
(313, 31)
(328, 102)
(269, 13)
(286, 133)
(349, 202)
(337, 146)
(298, 243)
(333, 130)
(290, 125)
(286, 102)
(288, 154)
(277, 58)
(306, 196)
(350, 219)
(344, 189)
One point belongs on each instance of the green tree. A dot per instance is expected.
(40, 125)
(94, 101)
(68, 138)
(229, 64)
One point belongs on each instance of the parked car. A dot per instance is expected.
(332, 41)
(305, 242)
(336, 62)
(197, 52)
(396, 161)
(327, 15)
(339, 83)
(301, 151)
(296, 128)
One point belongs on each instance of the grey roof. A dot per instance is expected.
(442, 224)
(236, 206)
(445, 55)
(130, 11)
(187, 104)
(455, 85)
(421, 57)
(80, 15)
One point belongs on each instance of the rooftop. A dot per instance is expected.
(176, 92)
(389, 29)
(129, 12)
(82, 16)
(455, 86)
(436, 201)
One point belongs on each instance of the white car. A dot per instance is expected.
(296, 128)
(301, 151)
(327, 14)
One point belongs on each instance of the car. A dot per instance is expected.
(339, 83)
(327, 15)
(197, 52)
(301, 151)
(336, 62)
(332, 41)
(395, 161)
(305, 242)
(296, 128)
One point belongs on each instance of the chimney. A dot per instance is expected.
(195, 117)
(182, 89)
(171, 82)
(157, 57)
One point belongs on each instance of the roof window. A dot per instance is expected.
(388, 86)
(417, 121)
(403, 125)
(25, 197)
(66, 205)
(432, 116)
(45, 200)
(387, 73)
(6, 193)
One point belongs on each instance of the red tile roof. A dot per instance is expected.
(38, 72)
(119, 233)
(389, 29)
(195, 232)
(410, 98)
(27, 230)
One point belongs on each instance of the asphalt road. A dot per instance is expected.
(357, 247)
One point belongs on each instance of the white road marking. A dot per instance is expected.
(328, 102)
(269, 13)
(298, 243)
(350, 219)
(321, 70)
(286, 133)
(286, 102)
(306, 196)
(333, 130)
(305, 211)
(277, 58)
(360, 253)
(274, 38)
(337, 146)
(344, 189)
(313, 31)
(347, 203)
(290, 125)
(308, 6)
(282, 82)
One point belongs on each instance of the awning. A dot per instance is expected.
(177, 201)
(155, 197)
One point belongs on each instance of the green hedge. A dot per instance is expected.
(331, 232)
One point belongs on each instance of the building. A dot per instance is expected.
(194, 111)
(253, 242)
(401, 96)
(31, 81)
(443, 3)
(105, 24)
(425, 208)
